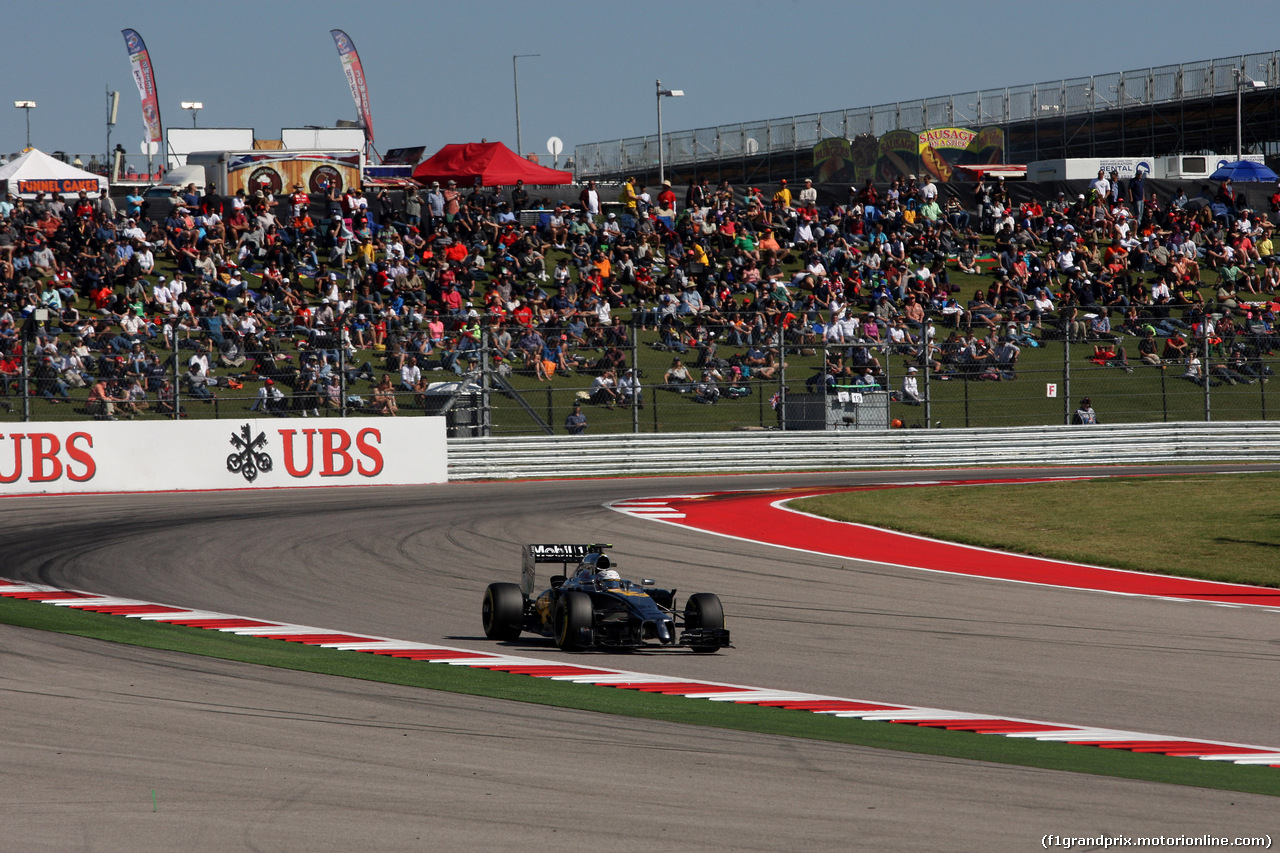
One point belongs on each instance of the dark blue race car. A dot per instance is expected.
(593, 607)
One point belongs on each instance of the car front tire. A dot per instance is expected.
(703, 610)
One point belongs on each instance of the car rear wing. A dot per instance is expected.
(566, 555)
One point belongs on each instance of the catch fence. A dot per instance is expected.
(737, 384)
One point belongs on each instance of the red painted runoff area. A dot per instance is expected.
(761, 517)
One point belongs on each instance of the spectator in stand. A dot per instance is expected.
(604, 391)
(677, 378)
(911, 388)
(384, 397)
(576, 422)
(269, 399)
(629, 389)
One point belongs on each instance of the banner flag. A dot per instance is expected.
(355, 78)
(140, 60)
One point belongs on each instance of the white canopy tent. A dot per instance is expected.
(36, 172)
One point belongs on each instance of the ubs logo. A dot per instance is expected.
(249, 457)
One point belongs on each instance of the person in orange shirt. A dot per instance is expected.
(603, 266)
(456, 252)
(304, 228)
(1116, 258)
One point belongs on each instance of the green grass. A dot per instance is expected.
(1223, 528)
(673, 709)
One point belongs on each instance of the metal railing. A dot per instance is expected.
(1143, 87)
(590, 456)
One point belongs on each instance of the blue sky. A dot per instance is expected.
(440, 72)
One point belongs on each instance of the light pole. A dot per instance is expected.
(515, 76)
(195, 107)
(1241, 78)
(663, 93)
(28, 106)
(113, 107)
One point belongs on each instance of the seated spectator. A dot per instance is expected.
(576, 422)
(1195, 374)
(603, 391)
(677, 377)
(707, 391)
(384, 397)
(102, 404)
(270, 399)
(911, 388)
(1005, 356)
(1175, 347)
(1100, 325)
(1147, 348)
(629, 389)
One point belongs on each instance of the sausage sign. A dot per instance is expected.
(161, 456)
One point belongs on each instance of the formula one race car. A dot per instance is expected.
(595, 608)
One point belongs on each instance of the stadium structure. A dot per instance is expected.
(1190, 108)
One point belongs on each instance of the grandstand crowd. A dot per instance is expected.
(381, 292)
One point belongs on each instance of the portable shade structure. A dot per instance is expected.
(37, 172)
(1244, 172)
(492, 162)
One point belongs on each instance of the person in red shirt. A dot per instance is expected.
(509, 236)
(592, 282)
(666, 198)
(299, 202)
(456, 251)
(452, 299)
(1036, 214)
(10, 371)
(494, 308)
(523, 314)
(84, 208)
(103, 297)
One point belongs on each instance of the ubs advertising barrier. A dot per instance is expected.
(59, 458)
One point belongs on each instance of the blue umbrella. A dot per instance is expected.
(1244, 171)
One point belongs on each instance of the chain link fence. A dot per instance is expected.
(727, 382)
(964, 382)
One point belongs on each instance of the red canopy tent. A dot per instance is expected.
(492, 162)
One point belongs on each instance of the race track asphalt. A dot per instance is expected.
(246, 757)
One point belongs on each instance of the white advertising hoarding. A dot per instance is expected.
(161, 456)
(350, 138)
(183, 140)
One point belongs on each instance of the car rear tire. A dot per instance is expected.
(502, 613)
(573, 616)
(703, 610)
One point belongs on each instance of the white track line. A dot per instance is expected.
(693, 689)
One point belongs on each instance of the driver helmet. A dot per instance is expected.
(609, 576)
